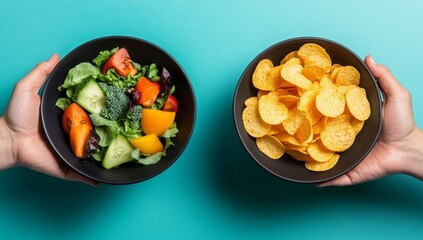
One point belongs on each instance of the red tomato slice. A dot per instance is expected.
(171, 104)
(121, 62)
(79, 138)
(149, 91)
(73, 116)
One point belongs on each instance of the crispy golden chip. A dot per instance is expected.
(357, 103)
(276, 129)
(338, 135)
(334, 66)
(260, 93)
(274, 79)
(253, 123)
(322, 166)
(326, 82)
(320, 126)
(356, 124)
(307, 104)
(294, 120)
(272, 110)
(334, 74)
(313, 72)
(348, 75)
(270, 146)
(291, 72)
(288, 56)
(288, 139)
(290, 101)
(299, 155)
(304, 133)
(314, 54)
(261, 73)
(330, 102)
(319, 152)
(251, 102)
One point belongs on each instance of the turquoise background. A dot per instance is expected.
(215, 190)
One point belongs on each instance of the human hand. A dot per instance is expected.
(20, 127)
(399, 147)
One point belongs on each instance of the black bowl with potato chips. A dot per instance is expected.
(307, 109)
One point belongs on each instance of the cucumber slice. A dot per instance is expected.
(91, 97)
(118, 152)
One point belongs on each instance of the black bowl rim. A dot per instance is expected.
(118, 37)
(311, 39)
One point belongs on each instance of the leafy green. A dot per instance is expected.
(169, 134)
(63, 103)
(78, 74)
(146, 159)
(105, 128)
(104, 56)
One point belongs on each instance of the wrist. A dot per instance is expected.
(413, 161)
(7, 146)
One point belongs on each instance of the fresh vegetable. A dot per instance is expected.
(116, 102)
(118, 152)
(121, 62)
(171, 104)
(91, 97)
(73, 116)
(149, 91)
(78, 136)
(125, 107)
(148, 144)
(156, 121)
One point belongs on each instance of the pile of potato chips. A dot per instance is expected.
(306, 107)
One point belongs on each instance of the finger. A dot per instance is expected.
(343, 180)
(74, 176)
(388, 83)
(35, 78)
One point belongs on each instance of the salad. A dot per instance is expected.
(117, 111)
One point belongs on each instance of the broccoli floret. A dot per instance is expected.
(136, 116)
(117, 102)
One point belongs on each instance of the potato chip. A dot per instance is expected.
(314, 54)
(313, 72)
(253, 123)
(307, 104)
(319, 152)
(251, 102)
(274, 79)
(288, 139)
(299, 155)
(320, 126)
(357, 103)
(294, 120)
(304, 133)
(334, 74)
(272, 110)
(330, 102)
(322, 166)
(290, 101)
(270, 146)
(260, 75)
(338, 135)
(276, 129)
(289, 56)
(356, 124)
(291, 72)
(260, 93)
(348, 75)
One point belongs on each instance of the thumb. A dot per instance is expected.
(387, 82)
(35, 78)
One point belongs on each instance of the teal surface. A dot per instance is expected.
(215, 190)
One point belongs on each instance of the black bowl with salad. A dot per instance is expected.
(118, 110)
